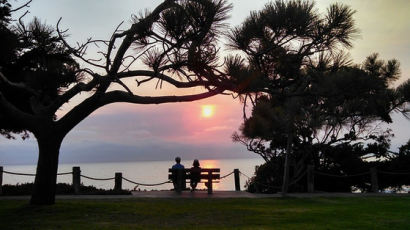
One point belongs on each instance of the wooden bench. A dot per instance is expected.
(208, 176)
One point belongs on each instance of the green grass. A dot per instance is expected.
(272, 213)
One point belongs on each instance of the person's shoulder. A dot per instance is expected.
(177, 166)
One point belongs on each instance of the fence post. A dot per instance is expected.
(1, 180)
(310, 178)
(237, 182)
(374, 179)
(118, 181)
(76, 179)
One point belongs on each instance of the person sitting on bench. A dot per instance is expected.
(195, 175)
(178, 167)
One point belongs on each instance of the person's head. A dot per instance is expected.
(196, 163)
(178, 159)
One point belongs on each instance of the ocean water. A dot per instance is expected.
(147, 172)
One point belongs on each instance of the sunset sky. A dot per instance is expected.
(201, 129)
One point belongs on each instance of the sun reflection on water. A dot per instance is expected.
(209, 163)
(205, 164)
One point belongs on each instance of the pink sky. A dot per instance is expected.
(170, 129)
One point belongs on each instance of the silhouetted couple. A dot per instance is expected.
(195, 175)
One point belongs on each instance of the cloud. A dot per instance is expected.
(147, 151)
(127, 132)
(127, 123)
(217, 128)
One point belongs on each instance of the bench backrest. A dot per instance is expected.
(204, 173)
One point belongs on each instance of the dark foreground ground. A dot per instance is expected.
(353, 212)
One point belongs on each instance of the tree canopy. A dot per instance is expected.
(305, 92)
(176, 43)
(177, 39)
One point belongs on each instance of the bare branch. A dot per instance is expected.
(178, 84)
(80, 51)
(21, 7)
(111, 46)
(132, 34)
(134, 59)
(21, 20)
(124, 86)
(80, 87)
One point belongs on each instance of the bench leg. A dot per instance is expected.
(209, 183)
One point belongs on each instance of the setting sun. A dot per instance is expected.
(207, 110)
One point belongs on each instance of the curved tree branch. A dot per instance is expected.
(163, 77)
(80, 87)
(83, 110)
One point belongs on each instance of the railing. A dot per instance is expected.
(310, 174)
(118, 178)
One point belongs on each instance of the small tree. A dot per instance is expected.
(177, 43)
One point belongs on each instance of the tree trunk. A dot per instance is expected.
(285, 183)
(46, 175)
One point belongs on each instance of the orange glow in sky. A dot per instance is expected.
(208, 111)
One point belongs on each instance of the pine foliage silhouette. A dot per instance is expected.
(293, 69)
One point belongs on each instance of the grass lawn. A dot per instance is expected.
(238, 213)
